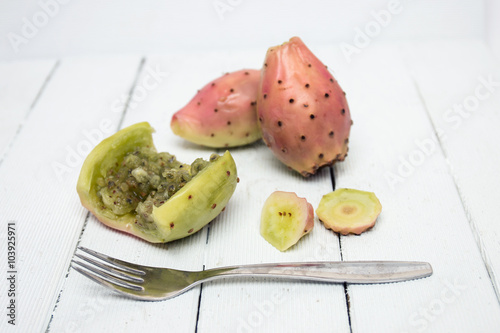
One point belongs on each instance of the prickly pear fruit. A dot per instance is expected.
(302, 110)
(349, 211)
(128, 186)
(222, 113)
(285, 219)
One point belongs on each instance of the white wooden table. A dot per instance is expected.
(425, 140)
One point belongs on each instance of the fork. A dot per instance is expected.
(154, 283)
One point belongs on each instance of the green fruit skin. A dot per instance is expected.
(213, 185)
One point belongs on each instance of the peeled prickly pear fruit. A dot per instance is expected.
(285, 219)
(222, 113)
(128, 186)
(302, 110)
(349, 211)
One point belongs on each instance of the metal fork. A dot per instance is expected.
(154, 283)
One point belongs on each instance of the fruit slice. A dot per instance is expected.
(128, 186)
(349, 211)
(285, 219)
(223, 113)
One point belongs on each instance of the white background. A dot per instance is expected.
(75, 27)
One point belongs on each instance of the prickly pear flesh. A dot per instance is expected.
(285, 219)
(349, 211)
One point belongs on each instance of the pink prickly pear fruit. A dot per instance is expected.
(222, 113)
(302, 111)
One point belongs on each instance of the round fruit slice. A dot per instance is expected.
(349, 211)
(285, 219)
(128, 186)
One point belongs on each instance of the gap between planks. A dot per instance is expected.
(346, 288)
(28, 113)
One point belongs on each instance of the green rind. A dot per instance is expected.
(212, 181)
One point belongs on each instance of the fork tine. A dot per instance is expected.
(102, 277)
(110, 270)
(119, 264)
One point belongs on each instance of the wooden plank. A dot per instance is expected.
(20, 84)
(464, 106)
(38, 178)
(395, 153)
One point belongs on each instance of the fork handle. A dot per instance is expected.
(330, 271)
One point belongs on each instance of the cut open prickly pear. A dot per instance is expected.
(128, 186)
(222, 113)
(285, 219)
(349, 211)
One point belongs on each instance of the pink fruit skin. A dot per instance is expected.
(222, 113)
(302, 111)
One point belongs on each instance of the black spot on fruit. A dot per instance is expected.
(330, 134)
(331, 80)
(172, 225)
(279, 81)
(212, 135)
(326, 95)
(190, 230)
(280, 123)
(190, 196)
(229, 123)
(228, 173)
(342, 111)
(312, 116)
(231, 90)
(265, 96)
(215, 110)
(303, 138)
(307, 85)
(291, 100)
(306, 105)
(309, 65)
(321, 156)
(214, 205)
